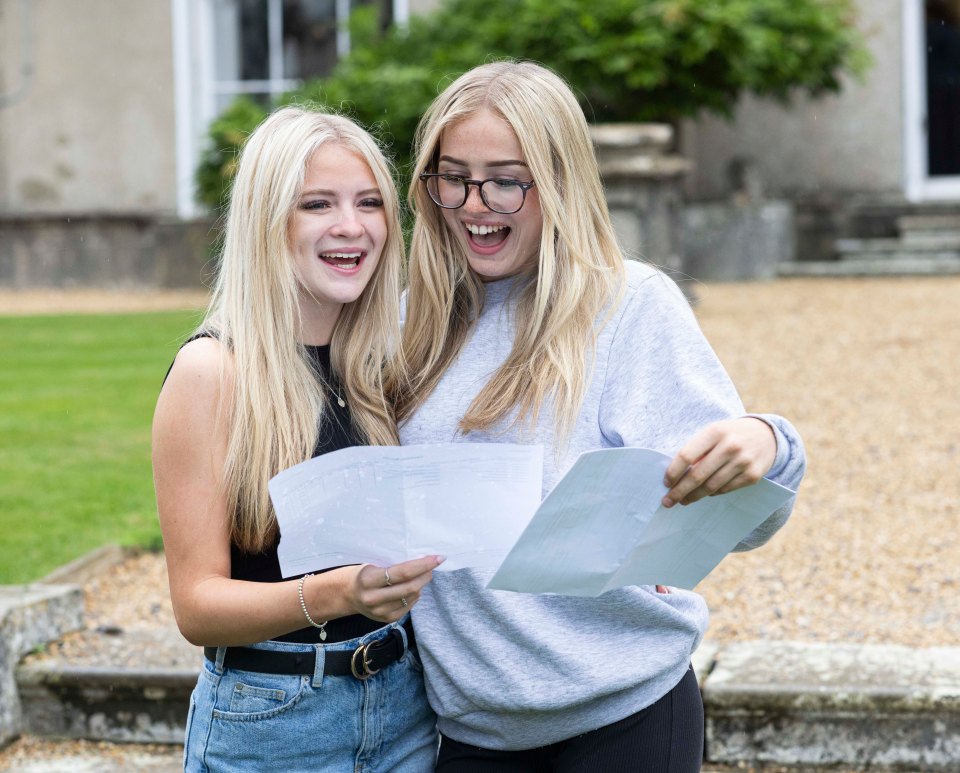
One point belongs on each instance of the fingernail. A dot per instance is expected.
(440, 559)
(666, 502)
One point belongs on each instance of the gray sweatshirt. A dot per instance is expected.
(516, 671)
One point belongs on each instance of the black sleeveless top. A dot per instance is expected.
(336, 432)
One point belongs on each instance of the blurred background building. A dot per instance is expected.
(104, 106)
(872, 173)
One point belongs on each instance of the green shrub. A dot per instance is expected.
(628, 60)
(225, 136)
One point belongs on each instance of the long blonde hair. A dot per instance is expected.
(278, 401)
(579, 273)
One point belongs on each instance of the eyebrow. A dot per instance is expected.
(459, 162)
(324, 192)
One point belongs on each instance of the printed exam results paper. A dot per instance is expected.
(387, 504)
(601, 527)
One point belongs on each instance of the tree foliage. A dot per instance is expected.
(627, 60)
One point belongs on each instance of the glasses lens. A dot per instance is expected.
(504, 196)
(447, 190)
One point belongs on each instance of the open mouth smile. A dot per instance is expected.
(486, 238)
(345, 261)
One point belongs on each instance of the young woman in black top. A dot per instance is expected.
(316, 672)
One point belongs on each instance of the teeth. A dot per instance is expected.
(341, 255)
(481, 230)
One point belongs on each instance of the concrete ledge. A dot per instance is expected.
(871, 706)
(935, 223)
(651, 137)
(105, 250)
(83, 569)
(108, 704)
(30, 616)
(725, 241)
(800, 705)
(910, 265)
(926, 244)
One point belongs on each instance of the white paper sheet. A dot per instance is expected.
(603, 527)
(382, 505)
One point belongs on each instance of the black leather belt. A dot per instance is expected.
(363, 662)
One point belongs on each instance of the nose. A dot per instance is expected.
(474, 202)
(348, 225)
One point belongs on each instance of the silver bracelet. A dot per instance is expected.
(303, 606)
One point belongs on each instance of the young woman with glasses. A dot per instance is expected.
(316, 672)
(525, 324)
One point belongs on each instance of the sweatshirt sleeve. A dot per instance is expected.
(663, 382)
(787, 470)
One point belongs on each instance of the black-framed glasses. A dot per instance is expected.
(500, 194)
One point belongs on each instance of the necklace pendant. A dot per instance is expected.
(341, 402)
(323, 635)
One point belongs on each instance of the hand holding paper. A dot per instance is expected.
(726, 455)
(603, 527)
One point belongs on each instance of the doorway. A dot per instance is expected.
(932, 98)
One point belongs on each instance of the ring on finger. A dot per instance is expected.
(403, 601)
(386, 577)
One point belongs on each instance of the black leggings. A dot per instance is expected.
(666, 737)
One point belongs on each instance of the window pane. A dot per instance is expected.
(310, 35)
(943, 86)
(303, 34)
(309, 38)
(242, 49)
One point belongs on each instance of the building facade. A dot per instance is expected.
(104, 106)
(894, 136)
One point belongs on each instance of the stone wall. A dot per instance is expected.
(104, 250)
(93, 125)
(733, 241)
(842, 143)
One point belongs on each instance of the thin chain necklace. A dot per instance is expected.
(327, 377)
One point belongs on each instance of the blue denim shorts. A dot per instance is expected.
(251, 721)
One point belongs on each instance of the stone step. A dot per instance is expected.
(928, 245)
(915, 225)
(30, 616)
(30, 755)
(807, 706)
(106, 704)
(932, 240)
(60, 700)
(909, 264)
(862, 706)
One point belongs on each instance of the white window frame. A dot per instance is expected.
(919, 185)
(196, 87)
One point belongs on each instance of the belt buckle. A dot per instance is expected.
(362, 651)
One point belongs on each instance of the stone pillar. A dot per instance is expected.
(30, 615)
(643, 180)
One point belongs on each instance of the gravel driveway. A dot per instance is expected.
(869, 371)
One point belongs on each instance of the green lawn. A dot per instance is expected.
(77, 394)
